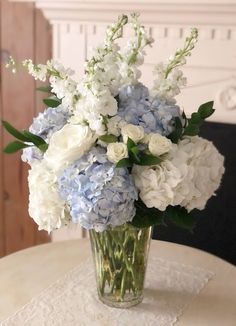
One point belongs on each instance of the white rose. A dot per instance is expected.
(68, 145)
(136, 133)
(159, 145)
(45, 205)
(116, 151)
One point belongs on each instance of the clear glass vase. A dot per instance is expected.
(120, 256)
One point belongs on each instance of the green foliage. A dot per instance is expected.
(191, 127)
(24, 139)
(180, 217)
(36, 140)
(45, 89)
(137, 157)
(206, 110)
(52, 101)
(149, 159)
(13, 131)
(14, 147)
(197, 118)
(130, 144)
(124, 163)
(146, 217)
(109, 138)
(176, 135)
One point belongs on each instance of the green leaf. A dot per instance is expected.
(146, 217)
(36, 140)
(180, 217)
(109, 138)
(123, 163)
(178, 131)
(191, 130)
(43, 147)
(52, 101)
(206, 110)
(196, 118)
(149, 159)
(13, 131)
(130, 144)
(14, 147)
(44, 89)
(134, 155)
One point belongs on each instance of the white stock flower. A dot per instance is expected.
(136, 133)
(67, 145)
(159, 145)
(45, 205)
(188, 177)
(116, 152)
(167, 88)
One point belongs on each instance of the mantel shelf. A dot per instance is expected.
(153, 11)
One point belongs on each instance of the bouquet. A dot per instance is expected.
(107, 151)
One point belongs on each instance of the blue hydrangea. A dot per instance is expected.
(98, 194)
(49, 121)
(44, 125)
(154, 115)
(31, 154)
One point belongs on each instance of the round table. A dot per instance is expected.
(26, 273)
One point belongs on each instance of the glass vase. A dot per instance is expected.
(120, 256)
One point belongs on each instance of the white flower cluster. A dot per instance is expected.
(132, 55)
(167, 88)
(188, 177)
(169, 78)
(60, 80)
(108, 118)
(157, 144)
(45, 204)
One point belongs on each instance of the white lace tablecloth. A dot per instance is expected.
(72, 300)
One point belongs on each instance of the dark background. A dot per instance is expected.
(215, 231)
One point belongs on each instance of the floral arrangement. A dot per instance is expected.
(107, 150)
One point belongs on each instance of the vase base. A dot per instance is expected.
(121, 304)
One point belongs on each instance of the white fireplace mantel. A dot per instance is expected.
(153, 11)
(78, 25)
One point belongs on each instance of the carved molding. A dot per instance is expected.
(153, 11)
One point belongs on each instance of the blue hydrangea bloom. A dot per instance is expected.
(44, 125)
(31, 154)
(98, 194)
(154, 115)
(49, 121)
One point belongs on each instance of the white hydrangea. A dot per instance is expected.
(45, 205)
(205, 168)
(188, 177)
(115, 124)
